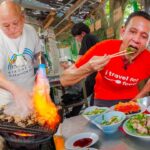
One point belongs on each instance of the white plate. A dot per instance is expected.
(134, 134)
(70, 141)
(142, 107)
(89, 109)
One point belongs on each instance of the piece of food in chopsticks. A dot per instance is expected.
(130, 49)
(128, 107)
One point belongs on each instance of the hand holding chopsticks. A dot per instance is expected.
(97, 63)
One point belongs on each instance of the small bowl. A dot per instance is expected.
(69, 144)
(107, 116)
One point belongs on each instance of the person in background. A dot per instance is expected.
(73, 94)
(82, 34)
(117, 76)
(19, 47)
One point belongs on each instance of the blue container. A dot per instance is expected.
(42, 70)
(107, 116)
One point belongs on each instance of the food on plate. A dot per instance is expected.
(112, 120)
(140, 124)
(82, 142)
(128, 107)
(95, 111)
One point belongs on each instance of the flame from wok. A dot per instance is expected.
(45, 110)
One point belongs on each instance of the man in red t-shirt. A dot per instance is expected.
(118, 77)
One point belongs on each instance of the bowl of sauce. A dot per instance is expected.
(81, 140)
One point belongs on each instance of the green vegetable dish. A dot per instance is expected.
(112, 120)
(139, 124)
(95, 111)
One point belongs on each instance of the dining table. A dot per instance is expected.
(115, 141)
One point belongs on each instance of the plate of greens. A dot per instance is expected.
(93, 111)
(138, 126)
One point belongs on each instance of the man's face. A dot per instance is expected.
(79, 38)
(136, 34)
(12, 26)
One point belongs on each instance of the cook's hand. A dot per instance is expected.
(97, 63)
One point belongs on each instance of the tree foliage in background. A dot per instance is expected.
(105, 13)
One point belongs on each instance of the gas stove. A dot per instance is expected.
(26, 138)
(38, 142)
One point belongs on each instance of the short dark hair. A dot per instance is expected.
(138, 14)
(78, 28)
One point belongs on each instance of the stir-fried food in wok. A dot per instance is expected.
(22, 122)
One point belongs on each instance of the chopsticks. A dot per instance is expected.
(122, 53)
